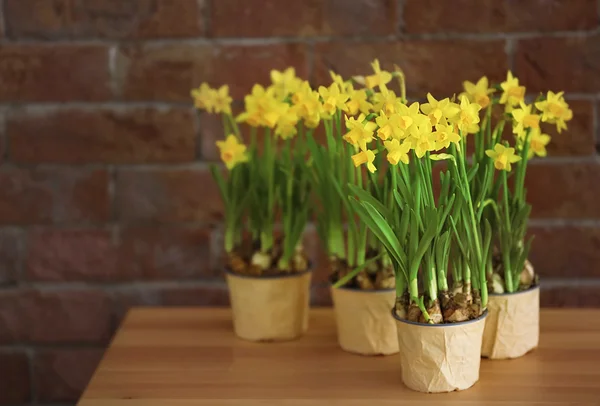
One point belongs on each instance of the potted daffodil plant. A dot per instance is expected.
(361, 272)
(503, 149)
(433, 236)
(266, 183)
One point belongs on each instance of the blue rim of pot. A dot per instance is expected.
(460, 323)
(530, 289)
(363, 290)
(281, 276)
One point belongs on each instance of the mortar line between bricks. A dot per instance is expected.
(165, 166)
(124, 105)
(509, 49)
(112, 70)
(558, 223)
(275, 40)
(400, 23)
(3, 19)
(550, 283)
(205, 10)
(596, 126)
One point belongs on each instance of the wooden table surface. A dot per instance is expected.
(184, 356)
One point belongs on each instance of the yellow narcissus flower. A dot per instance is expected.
(524, 119)
(286, 125)
(307, 105)
(357, 101)
(285, 83)
(503, 157)
(444, 134)
(360, 133)
(478, 92)
(260, 108)
(555, 110)
(397, 152)
(467, 118)
(512, 93)
(337, 79)
(232, 151)
(387, 101)
(333, 99)
(379, 78)
(438, 110)
(365, 156)
(424, 143)
(203, 98)
(537, 143)
(390, 127)
(221, 100)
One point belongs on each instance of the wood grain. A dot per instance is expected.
(189, 356)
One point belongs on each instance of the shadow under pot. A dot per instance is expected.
(269, 308)
(512, 327)
(440, 357)
(364, 325)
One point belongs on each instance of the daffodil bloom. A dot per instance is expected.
(444, 134)
(467, 118)
(389, 127)
(478, 92)
(261, 108)
(357, 102)
(379, 78)
(397, 152)
(503, 157)
(285, 83)
(221, 100)
(512, 93)
(387, 101)
(359, 134)
(425, 143)
(232, 151)
(307, 105)
(537, 143)
(524, 119)
(333, 99)
(438, 110)
(203, 98)
(365, 156)
(555, 110)
(286, 125)
(337, 79)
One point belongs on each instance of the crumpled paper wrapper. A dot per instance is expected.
(269, 308)
(364, 323)
(512, 327)
(441, 357)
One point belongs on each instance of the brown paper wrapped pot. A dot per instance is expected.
(364, 323)
(512, 327)
(269, 308)
(440, 357)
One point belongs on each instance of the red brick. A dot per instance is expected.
(419, 59)
(69, 316)
(74, 136)
(131, 19)
(12, 328)
(169, 72)
(579, 138)
(11, 252)
(62, 375)
(267, 18)
(70, 255)
(151, 253)
(41, 196)
(170, 195)
(315, 250)
(536, 65)
(566, 252)
(211, 130)
(124, 299)
(566, 190)
(15, 387)
(570, 296)
(422, 16)
(40, 73)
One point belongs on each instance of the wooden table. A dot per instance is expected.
(185, 356)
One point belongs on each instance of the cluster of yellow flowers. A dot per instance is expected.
(375, 114)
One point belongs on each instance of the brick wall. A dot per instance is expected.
(105, 198)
